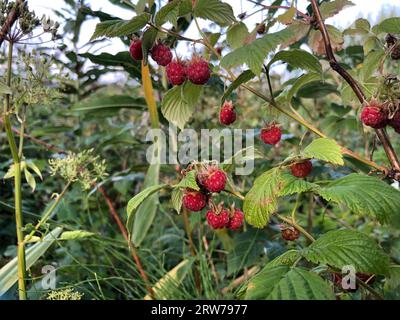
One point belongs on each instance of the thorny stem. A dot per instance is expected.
(17, 183)
(381, 133)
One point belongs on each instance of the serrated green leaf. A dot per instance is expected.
(390, 25)
(178, 103)
(324, 149)
(300, 82)
(285, 283)
(364, 195)
(168, 13)
(261, 200)
(119, 28)
(329, 9)
(363, 24)
(242, 78)
(347, 247)
(254, 54)
(298, 58)
(76, 234)
(287, 17)
(287, 258)
(236, 35)
(214, 10)
(371, 63)
(292, 185)
(176, 199)
(188, 181)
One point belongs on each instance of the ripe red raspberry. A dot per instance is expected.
(135, 49)
(194, 200)
(227, 115)
(218, 219)
(176, 72)
(290, 233)
(161, 54)
(213, 179)
(301, 169)
(373, 115)
(198, 71)
(271, 135)
(236, 220)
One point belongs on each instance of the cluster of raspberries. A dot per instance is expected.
(196, 70)
(212, 179)
(378, 116)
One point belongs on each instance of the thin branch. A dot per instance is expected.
(381, 133)
(10, 20)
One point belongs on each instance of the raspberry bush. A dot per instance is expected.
(84, 178)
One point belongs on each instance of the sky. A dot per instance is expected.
(363, 8)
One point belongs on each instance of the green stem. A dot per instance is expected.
(48, 213)
(17, 184)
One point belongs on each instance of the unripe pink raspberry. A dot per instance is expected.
(271, 134)
(227, 115)
(198, 71)
(161, 54)
(218, 219)
(135, 49)
(194, 200)
(176, 72)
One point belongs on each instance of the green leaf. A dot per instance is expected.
(298, 58)
(178, 103)
(347, 247)
(245, 154)
(140, 223)
(4, 89)
(214, 10)
(324, 149)
(30, 179)
(287, 17)
(287, 258)
(329, 9)
(9, 272)
(189, 181)
(292, 185)
(176, 199)
(284, 283)
(317, 89)
(254, 54)
(148, 39)
(171, 281)
(119, 28)
(137, 200)
(114, 102)
(77, 234)
(390, 25)
(236, 35)
(364, 195)
(261, 200)
(371, 63)
(300, 82)
(168, 13)
(242, 78)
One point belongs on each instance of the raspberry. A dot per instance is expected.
(373, 115)
(236, 220)
(198, 71)
(161, 54)
(135, 49)
(301, 169)
(194, 200)
(260, 28)
(213, 179)
(217, 219)
(271, 135)
(227, 115)
(176, 72)
(290, 233)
